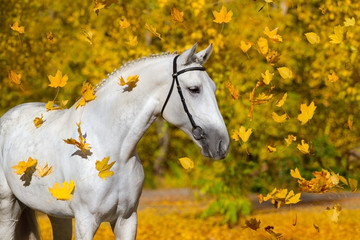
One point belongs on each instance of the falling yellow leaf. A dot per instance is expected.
(58, 80)
(63, 192)
(279, 119)
(303, 147)
(98, 6)
(130, 82)
(132, 41)
(50, 37)
(353, 183)
(267, 77)
(88, 95)
(281, 197)
(273, 57)
(42, 172)
(281, 102)
(88, 36)
(285, 72)
(350, 121)
(233, 91)
(104, 168)
(312, 37)
(23, 166)
(223, 16)
(263, 46)
(333, 77)
(338, 35)
(153, 30)
(289, 140)
(186, 163)
(349, 22)
(296, 174)
(245, 46)
(50, 106)
(273, 35)
(38, 121)
(317, 228)
(124, 23)
(271, 148)
(81, 144)
(244, 134)
(307, 112)
(292, 198)
(14, 77)
(177, 15)
(262, 98)
(334, 212)
(17, 28)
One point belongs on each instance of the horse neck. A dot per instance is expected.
(122, 117)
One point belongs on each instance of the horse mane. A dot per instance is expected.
(129, 64)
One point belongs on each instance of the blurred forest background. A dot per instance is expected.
(302, 52)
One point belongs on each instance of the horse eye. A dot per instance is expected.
(194, 90)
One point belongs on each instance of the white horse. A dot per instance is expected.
(113, 124)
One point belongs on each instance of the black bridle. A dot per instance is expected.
(197, 131)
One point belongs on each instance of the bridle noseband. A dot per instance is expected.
(197, 131)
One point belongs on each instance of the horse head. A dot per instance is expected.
(194, 109)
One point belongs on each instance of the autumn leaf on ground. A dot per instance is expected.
(285, 72)
(279, 118)
(271, 148)
(312, 37)
(50, 106)
(333, 77)
(338, 35)
(273, 35)
(186, 163)
(349, 22)
(263, 46)
(104, 168)
(124, 23)
(132, 41)
(252, 224)
(267, 77)
(88, 95)
(223, 16)
(290, 139)
(242, 133)
(245, 46)
(42, 172)
(38, 121)
(153, 30)
(58, 80)
(353, 184)
(303, 147)
(63, 192)
(17, 28)
(233, 91)
(130, 82)
(14, 77)
(307, 112)
(177, 15)
(334, 212)
(281, 102)
(23, 166)
(81, 144)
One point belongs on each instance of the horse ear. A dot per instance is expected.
(203, 56)
(188, 56)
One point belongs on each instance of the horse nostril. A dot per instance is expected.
(222, 149)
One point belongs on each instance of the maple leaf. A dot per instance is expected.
(81, 144)
(263, 46)
(17, 28)
(279, 119)
(292, 198)
(273, 35)
(281, 102)
(104, 168)
(88, 95)
(177, 15)
(334, 212)
(63, 192)
(285, 72)
(267, 77)
(307, 112)
(273, 57)
(333, 77)
(253, 224)
(38, 121)
(50, 37)
(50, 106)
(233, 91)
(42, 172)
(296, 174)
(245, 46)
(312, 37)
(338, 35)
(223, 16)
(271, 148)
(349, 22)
(23, 166)
(130, 82)
(132, 41)
(281, 197)
(124, 23)
(153, 30)
(58, 80)
(353, 184)
(290, 139)
(186, 163)
(14, 77)
(242, 133)
(303, 147)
